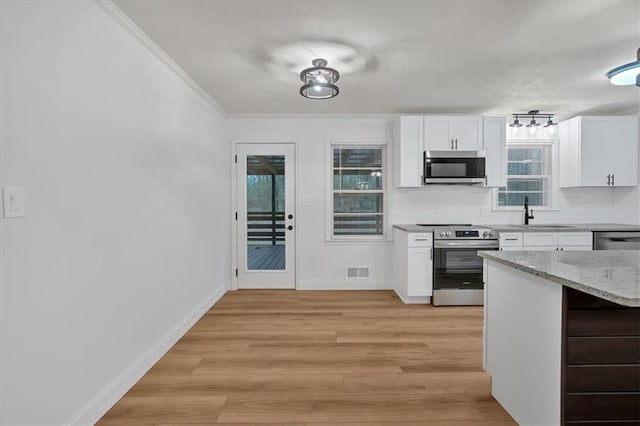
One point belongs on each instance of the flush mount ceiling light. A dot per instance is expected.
(319, 81)
(626, 74)
(533, 124)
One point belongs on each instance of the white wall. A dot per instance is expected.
(322, 264)
(126, 239)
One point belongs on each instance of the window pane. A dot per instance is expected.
(528, 153)
(525, 168)
(357, 179)
(358, 225)
(357, 203)
(358, 157)
(265, 212)
(524, 185)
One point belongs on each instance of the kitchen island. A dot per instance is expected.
(562, 335)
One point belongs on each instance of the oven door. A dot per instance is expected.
(457, 266)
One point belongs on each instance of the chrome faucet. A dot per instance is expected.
(527, 216)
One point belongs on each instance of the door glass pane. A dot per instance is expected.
(265, 212)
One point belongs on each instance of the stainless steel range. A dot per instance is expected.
(457, 268)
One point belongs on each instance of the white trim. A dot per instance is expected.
(105, 399)
(313, 115)
(328, 190)
(234, 210)
(344, 285)
(113, 10)
(413, 300)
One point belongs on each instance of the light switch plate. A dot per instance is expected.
(13, 201)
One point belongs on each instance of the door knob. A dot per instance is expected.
(290, 227)
(290, 216)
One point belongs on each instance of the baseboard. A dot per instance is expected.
(344, 285)
(104, 400)
(417, 300)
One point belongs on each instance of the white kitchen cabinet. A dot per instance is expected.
(495, 148)
(408, 151)
(575, 239)
(599, 151)
(451, 133)
(557, 241)
(510, 241)
(539, 240)
(413, 266)
(545, 241)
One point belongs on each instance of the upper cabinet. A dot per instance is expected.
(451, 133)
(408, 150)
(599, 151)
(415, 134)
(494, 145)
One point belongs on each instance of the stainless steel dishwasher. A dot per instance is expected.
(619, 240)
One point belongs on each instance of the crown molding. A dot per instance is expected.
(113, 10)
(320, 116)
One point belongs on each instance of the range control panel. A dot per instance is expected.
(464, 234)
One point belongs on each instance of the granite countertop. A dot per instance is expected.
(610, 275)
(541, 227)
(414, 228)
(565, 227)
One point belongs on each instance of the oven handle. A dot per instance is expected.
(484, 244)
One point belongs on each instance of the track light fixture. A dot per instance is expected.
(533, 124)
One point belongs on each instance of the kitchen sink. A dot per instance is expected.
(545, 226)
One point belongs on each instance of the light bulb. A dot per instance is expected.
(317, 88)
(532, 130)
(551, 130)
(515, 130)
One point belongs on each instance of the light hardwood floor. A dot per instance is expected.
(315, 358)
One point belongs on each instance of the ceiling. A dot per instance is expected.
(476, 57)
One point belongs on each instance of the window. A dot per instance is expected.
(358, 191)
(529, 172)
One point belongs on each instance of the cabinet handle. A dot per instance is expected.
(613, 179)
(431, 254)
(451, 143)
(561, 248)
(511, 239)
(421, 239)
(608, 179)
(456, 143)
(556, 248)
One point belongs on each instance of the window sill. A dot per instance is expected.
(359, 241)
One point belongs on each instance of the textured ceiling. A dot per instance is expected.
(414, 56)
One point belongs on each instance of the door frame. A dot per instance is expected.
(234, 205)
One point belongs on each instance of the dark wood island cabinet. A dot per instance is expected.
(600, 362)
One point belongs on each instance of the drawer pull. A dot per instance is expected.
(511, 239)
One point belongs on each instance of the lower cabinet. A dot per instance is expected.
(413, 266)
(600, 364)
(539, 241)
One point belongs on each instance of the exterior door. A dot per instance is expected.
(266, 215)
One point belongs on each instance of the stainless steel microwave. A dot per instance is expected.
(454, 167)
